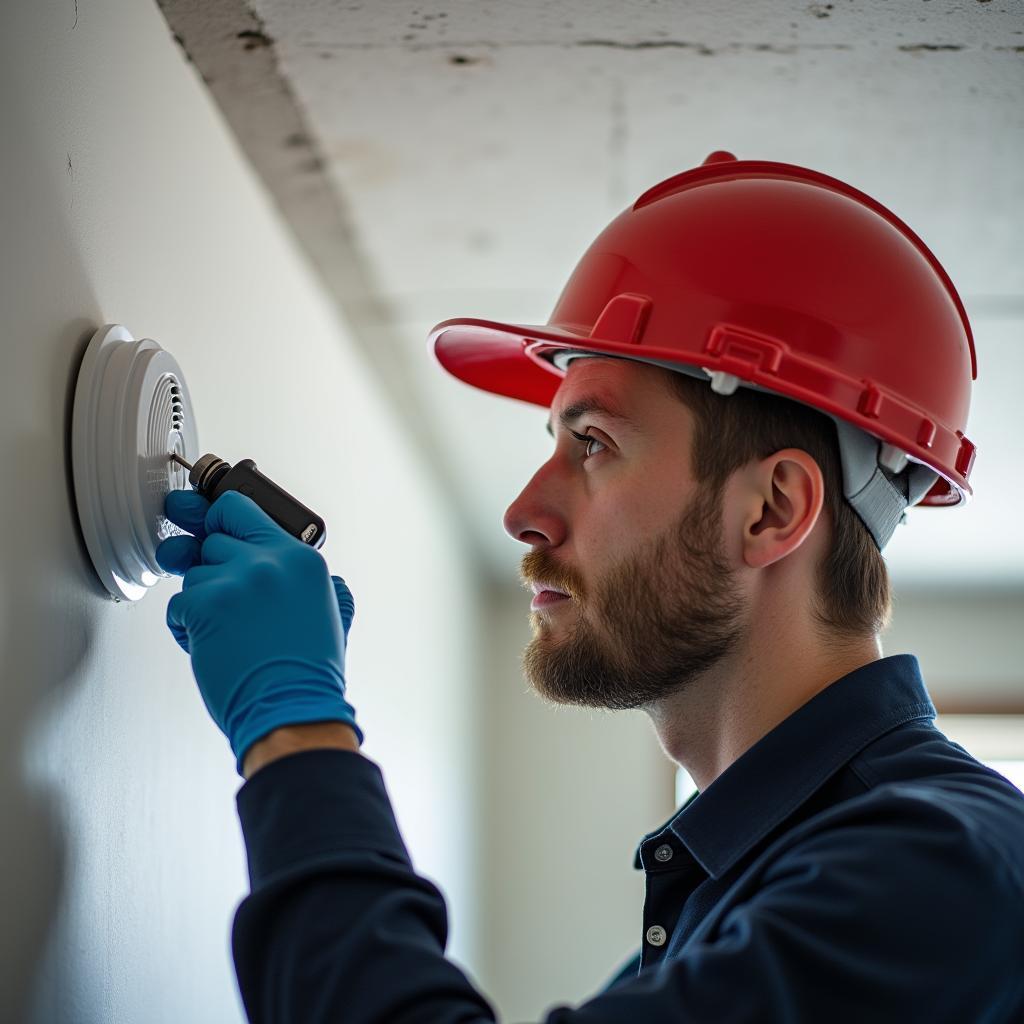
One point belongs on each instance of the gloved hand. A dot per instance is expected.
(259, 615)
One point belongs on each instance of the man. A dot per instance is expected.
(752, 373)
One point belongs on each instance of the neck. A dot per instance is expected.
(780, 665)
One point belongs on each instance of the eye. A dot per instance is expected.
(587, 440)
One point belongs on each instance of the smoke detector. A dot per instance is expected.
(132, 411)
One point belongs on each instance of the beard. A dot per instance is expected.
(658, 620)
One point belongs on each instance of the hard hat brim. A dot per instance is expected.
(505, 359)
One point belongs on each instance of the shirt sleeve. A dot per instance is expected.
(894, 912)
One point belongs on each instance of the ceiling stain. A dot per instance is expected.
(651, 44)
(254, 39)
(706, 51)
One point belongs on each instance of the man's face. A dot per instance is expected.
(618, 523)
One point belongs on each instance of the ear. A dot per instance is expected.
(786, 492)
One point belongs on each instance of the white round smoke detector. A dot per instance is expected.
(132, 411)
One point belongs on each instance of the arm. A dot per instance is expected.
(292, 739)
(338, 926)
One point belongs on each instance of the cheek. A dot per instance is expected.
(616, 535)
(734, 517)
(597, 545)
(656, 509)
(625, 515)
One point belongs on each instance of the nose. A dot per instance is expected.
(532, 518)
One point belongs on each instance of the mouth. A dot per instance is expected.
(545, 595)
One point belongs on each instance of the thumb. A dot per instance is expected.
(346, 603)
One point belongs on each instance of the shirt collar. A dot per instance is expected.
(781, 770)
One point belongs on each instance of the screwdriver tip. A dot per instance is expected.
(177, 458)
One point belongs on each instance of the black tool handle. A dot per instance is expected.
(289, 513)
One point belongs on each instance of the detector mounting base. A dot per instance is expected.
(132, 410)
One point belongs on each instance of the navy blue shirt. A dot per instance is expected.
(853, 865)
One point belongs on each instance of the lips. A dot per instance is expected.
(546, 594)
(541, 588)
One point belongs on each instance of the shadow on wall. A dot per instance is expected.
(49, 611)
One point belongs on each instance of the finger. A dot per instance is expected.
(177, 610)
(239, 516)
(219, 548)
(201, 574)
(178, 554)
(346, 603)
(187, 509)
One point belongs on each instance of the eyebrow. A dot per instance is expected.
(590, 403)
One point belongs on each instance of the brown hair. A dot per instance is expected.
(853, 597)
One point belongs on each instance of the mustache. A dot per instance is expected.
(540, 567)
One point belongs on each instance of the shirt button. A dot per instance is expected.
(663, 852)
(656, 935)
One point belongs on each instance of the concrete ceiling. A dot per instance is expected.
(443, 159)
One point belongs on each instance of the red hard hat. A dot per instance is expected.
(771, 276)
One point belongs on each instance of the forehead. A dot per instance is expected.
(616, 372)
(585, 381)
(618, 380)
(620, 387)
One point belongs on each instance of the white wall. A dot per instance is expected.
(968, 640)
(125, 200)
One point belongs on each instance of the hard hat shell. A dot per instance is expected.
(764, 274)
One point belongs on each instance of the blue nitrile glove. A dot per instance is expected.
(265, 623)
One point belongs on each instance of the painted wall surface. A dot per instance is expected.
(125, 200)
(968, 641)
